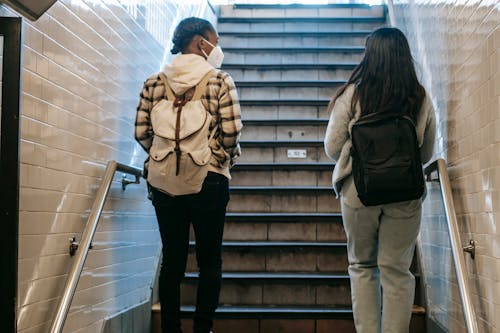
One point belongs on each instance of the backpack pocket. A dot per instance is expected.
(192, 170)
(161, 166)
(194, 166)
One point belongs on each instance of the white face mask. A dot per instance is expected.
(215, 57)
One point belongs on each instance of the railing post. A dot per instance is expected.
(81, 253)
(456, 246)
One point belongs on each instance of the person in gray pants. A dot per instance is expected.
(381, 239)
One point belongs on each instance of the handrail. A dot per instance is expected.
(88, 234)
(392, 16)
(440, 167)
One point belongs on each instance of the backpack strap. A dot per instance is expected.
(201, 86)
(169, 94)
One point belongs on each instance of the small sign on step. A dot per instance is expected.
(297, 153)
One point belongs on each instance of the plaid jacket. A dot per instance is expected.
(220, 99)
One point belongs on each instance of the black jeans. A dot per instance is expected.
(206, 211)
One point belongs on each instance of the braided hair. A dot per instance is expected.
(186, 30)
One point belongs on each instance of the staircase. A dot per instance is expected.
(285, 260)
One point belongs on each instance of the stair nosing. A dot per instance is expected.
(321, 19)
(289, 66)
(318, 34)
(289, 102)
(283, 166)
(281, 143)
(301, 6)
(259, 84)
(276, 312)
(339, 49)
(291, 244)
(277, 122)
(276, 276)
(240, 189)
(239, 217)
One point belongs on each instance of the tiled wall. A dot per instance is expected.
(457, 49)
(84, 63)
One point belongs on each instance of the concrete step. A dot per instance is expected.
(284, 131)
(277, 289)
(293, 39)
(295, 10)
(299, 199)
(302, 102)
(286, 122)
(255, 319)
(286, 56)
(281, 143)
(299, 24)
(258, 226)
(292, 231)
(281, 152)
(282, 112)
(282, 178)
(292, 73)
(314, 83)
(285, 189)
(288, 166)
(282, 217)
(289, 256)
(287, 72)
(285, 93)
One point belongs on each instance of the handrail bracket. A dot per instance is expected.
(73, 246)
(126, 181)
(471, 249)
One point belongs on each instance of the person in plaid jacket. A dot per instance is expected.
(196, 40)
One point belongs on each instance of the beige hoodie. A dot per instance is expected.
(186, 71)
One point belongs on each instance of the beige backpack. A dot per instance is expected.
(180, 152)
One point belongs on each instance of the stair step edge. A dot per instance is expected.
(329, 19)
(278, 244)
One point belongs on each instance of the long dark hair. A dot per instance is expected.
(186, 30)
(386, 78)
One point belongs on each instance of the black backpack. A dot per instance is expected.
(386, 163)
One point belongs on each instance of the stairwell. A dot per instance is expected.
(285, 260)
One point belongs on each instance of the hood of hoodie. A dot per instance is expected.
(186, 71)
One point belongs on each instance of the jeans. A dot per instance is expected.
(380, 247)
(206, 212)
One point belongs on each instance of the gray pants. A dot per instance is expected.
(381, 242)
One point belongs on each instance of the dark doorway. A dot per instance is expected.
(11, 43)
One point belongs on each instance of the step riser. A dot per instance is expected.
(280, 154)
(276, 294)
(290, 75)
(286, 93)
(373, 11)
(284, 112)
(291, 58)
(280, 260)
(256, 325)
(297, 27)
(291, 41)
(293, 231)
(284, 202)
(282, 178)
(284, 132)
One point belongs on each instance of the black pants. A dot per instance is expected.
(206, 211)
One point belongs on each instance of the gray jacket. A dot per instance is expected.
(338, 141)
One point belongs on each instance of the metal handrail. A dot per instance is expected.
(440, 167)
(88, 234)
(392, 16)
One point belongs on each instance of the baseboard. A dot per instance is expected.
(133, 320)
